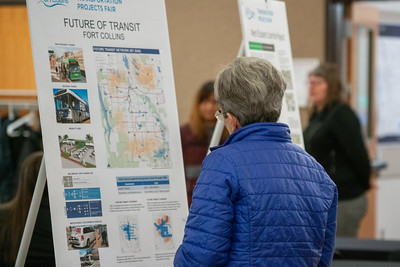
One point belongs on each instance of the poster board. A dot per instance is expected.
(266, 35)
(110, 131)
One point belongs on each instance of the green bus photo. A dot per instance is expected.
(67, 64)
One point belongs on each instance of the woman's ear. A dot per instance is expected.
(231, 123)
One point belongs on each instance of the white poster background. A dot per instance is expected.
(119, 185)
(266, 35)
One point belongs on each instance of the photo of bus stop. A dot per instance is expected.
(77, 153)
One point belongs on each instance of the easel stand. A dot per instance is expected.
(219, 126)
(32, 215)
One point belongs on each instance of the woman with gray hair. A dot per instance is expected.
(251, 83)
(260, 200)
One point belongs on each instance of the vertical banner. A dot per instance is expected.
(266, 35)
(110, 131)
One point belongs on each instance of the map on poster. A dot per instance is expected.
(163, 236)
(132, 101)
(128, 233)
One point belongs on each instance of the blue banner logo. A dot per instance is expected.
(53, 3)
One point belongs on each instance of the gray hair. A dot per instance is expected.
(251, 89)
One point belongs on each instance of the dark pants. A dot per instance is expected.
(349, 216)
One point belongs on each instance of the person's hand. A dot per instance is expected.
(373, 184)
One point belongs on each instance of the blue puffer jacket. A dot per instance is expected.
(260, 201)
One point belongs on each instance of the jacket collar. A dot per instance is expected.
(263, 131)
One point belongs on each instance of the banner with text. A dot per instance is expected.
(266, 35)
(110, 131)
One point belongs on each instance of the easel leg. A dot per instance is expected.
(216, 137)
(219, 127)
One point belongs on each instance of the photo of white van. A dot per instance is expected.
(82, 236)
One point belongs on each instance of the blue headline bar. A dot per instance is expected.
(137, 183)
(125, 50)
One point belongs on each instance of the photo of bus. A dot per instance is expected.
(66, 64)
(71, 105)
(70, 68)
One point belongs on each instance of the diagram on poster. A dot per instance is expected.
(133, 107)
(143, 184)
(128, 233)
(163, 235)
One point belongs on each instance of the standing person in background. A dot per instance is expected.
(196, 134)
(333, 137)
(104, 237)
(13, 216)
(260, 200)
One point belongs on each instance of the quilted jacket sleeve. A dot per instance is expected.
(208, 229)
(329, 243)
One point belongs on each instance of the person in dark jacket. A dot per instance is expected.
(334, 138)
(260, 200)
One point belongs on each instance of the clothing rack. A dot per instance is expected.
(19, 103)
(25, 99)
(17, 94)
(13, 126)
(18, 99)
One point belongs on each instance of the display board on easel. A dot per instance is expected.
(266, 35)
(110, 131)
